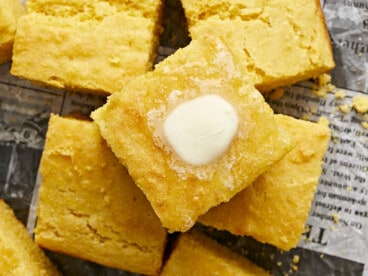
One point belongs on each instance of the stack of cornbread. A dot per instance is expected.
(190, 140)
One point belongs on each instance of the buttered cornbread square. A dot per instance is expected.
(89, 207)
(278, 42)
(93, 46)
(19, 254)
(196, 254)
(274, 209)
(193, 132)
(10, 11)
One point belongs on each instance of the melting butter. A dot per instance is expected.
(201, 130)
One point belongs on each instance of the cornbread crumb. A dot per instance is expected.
(296, 259)
(323, 121)
(306, 117)
(335, 218)
(345, 108)
(323, 80)
(322, 85)
(340, 94)
(365, 125)
(360, 103)
(277, 94)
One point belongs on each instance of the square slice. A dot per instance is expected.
(278, 42)
(89, 207)
(91, 46)
(134, 124)
(19, 254)
(10, 12)
(274, 209)
(196, 254)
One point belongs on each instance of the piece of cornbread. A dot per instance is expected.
(274, 209)
(197, 254)
(89, 206)
(132, 122)
(19, 255)
(94, 46)
(10, 11)
(278, 42)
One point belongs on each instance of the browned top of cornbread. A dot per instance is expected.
(19, 255)
(10, 11)
(197, 254)
(132, 120)
(279, 42)
(94, 9)
(274, 209)
(89, 206)
(91, 46)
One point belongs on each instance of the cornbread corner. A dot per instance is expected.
(10, 12)
(132, 123)
(19, 255)
(278, 42)
(274, 209)
(92, 46)
(197, 254)
(89, 207)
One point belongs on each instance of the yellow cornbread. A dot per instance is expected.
(278, 42)
(19, 255)
(275, 207)
(197, 254)
(94, 46)
(10, 11)
(89, 206)
(132, 120)
(360, 103)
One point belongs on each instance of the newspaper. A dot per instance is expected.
(336, 239)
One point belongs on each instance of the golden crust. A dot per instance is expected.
(197, 254)
(19, 255)
(278, 42)
(131, 122)
(275, 207)
(10, 12)
(93, 46)
(89, 206)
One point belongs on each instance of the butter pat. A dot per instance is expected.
(201, 130)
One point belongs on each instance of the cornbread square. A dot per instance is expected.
(10, 11)
(92, 46)
(19, 255)
(89, 206)
(278, 42)
(132, 123)
(274, 209)
(197, 254)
